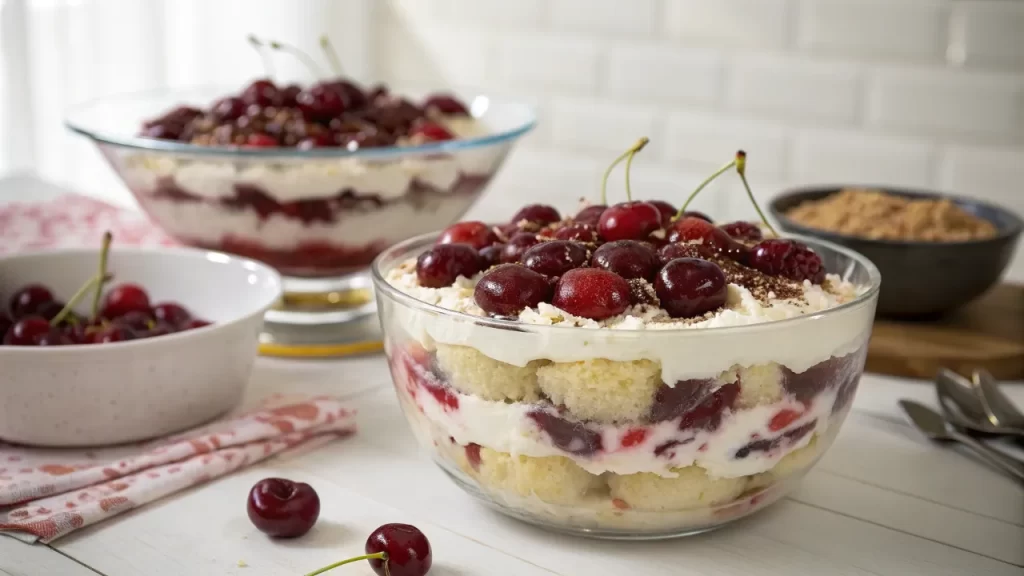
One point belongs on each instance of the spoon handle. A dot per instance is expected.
(991, 455)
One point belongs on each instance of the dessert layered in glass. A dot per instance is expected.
(315, 181)
(695, 397)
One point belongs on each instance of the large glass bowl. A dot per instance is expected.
(576, 430)
(309, 213)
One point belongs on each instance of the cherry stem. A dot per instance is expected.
(627, 154)
(378, 556)
(95, 280)
(703, 185)
(302, 56)
(104, 251)
(259, 46)
(331, 54)
(741, 169)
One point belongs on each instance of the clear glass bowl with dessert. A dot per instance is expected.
(631, 371)
(313, 180)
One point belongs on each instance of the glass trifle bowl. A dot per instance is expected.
(312, 198)
(631, 428)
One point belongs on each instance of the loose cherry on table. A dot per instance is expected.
(393, 550)
(282, 508)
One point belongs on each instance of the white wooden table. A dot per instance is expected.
(881, 502)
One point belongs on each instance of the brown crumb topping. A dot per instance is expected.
(878, 215)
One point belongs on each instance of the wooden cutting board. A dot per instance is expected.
(988, 333)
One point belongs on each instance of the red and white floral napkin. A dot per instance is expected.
(46, 494)
(73, 221)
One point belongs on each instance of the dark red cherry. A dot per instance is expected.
(445, 104)
(260, 140)
(261, 93)
(123, 299)
(431, 131)
(406, 548)
(741, 230)
(689, 287)
(491, 255)
(508, 289)
(670, 252)
(159, 329)
(27, 300)
(53, 337)
(228, 109)
(25, 331)
(590, 215)
(665, 209)
(627, 258)
(787, 258)
(5, 324)
(693, 229)
(708, 415)
(114, 333)
(442, 264)
(695, 214)
(474, 233)
(49, 310)
(555, 257)
(194, 324)
(540, 214)
(320, 102)
(572, 437)
(139, 321)
(290, 94)
(629, 221)
(352, 96)
(579, 232)
(282, 508)
(319, 140)
(517, 246)
(673, 401)
(592, 293)
(171, 312)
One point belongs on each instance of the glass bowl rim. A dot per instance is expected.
(381, 285)
(135, 142)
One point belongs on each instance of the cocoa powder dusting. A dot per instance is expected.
(762, 286)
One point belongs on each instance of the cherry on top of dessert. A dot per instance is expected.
(592, 293)
(555, 257)
(508, 289)
(627, 258)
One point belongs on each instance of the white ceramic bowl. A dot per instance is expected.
(88, 395)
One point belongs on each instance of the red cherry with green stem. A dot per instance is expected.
(710, 236)
(171, 313)
(667, 211)
(26, 301)
(474, 233)
(539, 214)
(592, 293)
(393, 550)
(26, 330)
(689, 287)
(695, 214)
(740, 163)
(282, 508)
(517, 246)
(590, 215)
(442, 264)
(787, 258)
(261, 93)
(320, 102)
(742, 230)
(124, 298)
(508, 289)
(555, 257)
(627, 220)
(627, 258)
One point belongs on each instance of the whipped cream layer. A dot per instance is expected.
(508, 427)
(307, 179)
(792, 332)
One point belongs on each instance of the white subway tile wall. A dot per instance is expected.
(915, 93)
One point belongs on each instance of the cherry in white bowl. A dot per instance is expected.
(115, 392)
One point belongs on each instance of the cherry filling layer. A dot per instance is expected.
(683, 422)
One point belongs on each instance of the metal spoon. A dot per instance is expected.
(999, 410)
(962, 400)
(931, 424)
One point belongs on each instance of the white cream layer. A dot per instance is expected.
(300, 179)
(746, 332)
(508, 428)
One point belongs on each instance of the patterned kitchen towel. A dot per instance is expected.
(73, 221)
(46, 494)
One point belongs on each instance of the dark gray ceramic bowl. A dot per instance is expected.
(921, 278)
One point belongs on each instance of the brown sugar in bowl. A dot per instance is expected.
(920, 277)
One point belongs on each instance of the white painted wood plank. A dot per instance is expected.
(20, 559)
(207, 532)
